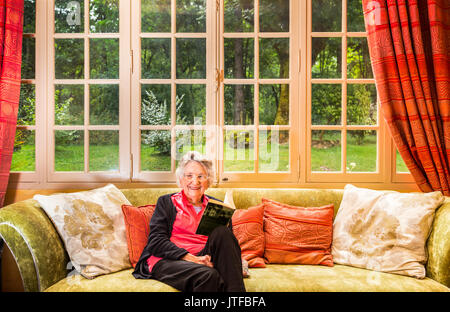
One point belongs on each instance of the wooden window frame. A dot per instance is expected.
(129, 175)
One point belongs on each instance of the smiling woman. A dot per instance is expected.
(175, 254)
(194, 176)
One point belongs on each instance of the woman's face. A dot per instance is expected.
(194, 182)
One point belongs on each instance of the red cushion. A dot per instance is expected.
(248, 229)
(137, 224)
(301, 235)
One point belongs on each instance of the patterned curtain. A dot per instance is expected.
(409, 44)
(11, 27)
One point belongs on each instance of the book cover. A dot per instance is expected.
(216, 213)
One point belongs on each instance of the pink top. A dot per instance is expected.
(184, 227)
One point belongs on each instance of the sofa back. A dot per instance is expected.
(248, 197)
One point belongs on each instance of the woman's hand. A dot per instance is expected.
(205, 260)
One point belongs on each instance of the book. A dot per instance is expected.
(216, 213)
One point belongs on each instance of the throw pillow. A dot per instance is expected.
(137, 221)
(248, 229)
(300, 235)
(91, 226)
(384, 231)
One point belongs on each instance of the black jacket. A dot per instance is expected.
(158, 243)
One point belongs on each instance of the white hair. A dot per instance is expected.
(194, 156)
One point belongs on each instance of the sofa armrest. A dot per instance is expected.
(35, 244)
(438, 245)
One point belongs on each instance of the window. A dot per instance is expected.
(24, 156)
(275, 92)
(344, 117)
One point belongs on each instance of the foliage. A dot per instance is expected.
(155, 113)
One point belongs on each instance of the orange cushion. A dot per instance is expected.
(248, 229)
(301, 235)
(137, 224)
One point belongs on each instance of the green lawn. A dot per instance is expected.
(70, 158)
(360, 158)
(24, 159)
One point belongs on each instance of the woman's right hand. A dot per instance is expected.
(205, 260)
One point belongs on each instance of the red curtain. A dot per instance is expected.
(409, 44)
(11, 28)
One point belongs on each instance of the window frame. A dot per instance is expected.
(129, 175)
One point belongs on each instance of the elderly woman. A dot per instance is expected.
(174, 254)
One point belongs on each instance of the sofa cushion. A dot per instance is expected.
(273, 278)
(300, 235)
(248, 229)
(384, 231)
(92, 228)
(137, 224)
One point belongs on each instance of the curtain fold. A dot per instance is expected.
(409, 44)
(11, 28)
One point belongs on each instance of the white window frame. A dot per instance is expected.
(129, 175)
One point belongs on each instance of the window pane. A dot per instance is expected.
(104, 58)
(274, 104)
(155, 58)
(274, 57)
(238, 104)
(69, 104)
(27, 105)
(29, 16)
(325, 150)
(155, 150)
(273, 150)
(191, 16)
(239, 150)
(155, 104)
(326, 105)
(358, 59)
(400, 163)
(104, 150)
(28, 58)
(274, 16)
(191, 58)
(23, 158)
(361, 151)
(239, 15)
(69, 16)
(361, 104)
(104, 104)
(104, 16)
(190, 140)
(239, 57)
(69, 150)
(155, 15)
(69, 58)
(326, 58)
(326, 15)
(355, 16)
(191, 104)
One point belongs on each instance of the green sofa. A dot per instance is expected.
(43, 261)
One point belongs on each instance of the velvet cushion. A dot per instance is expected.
(301, 235)
(137, 224)
(248, 229)
(91, 225)
(384, 231)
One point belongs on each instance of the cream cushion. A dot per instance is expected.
(384, 231)
(92, 227)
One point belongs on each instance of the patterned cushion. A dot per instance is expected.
(248, 229)
(384, 231)
(299, 235)
(92, 228)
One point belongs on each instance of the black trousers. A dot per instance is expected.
(226, 275)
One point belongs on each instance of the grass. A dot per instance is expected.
(360, 158)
